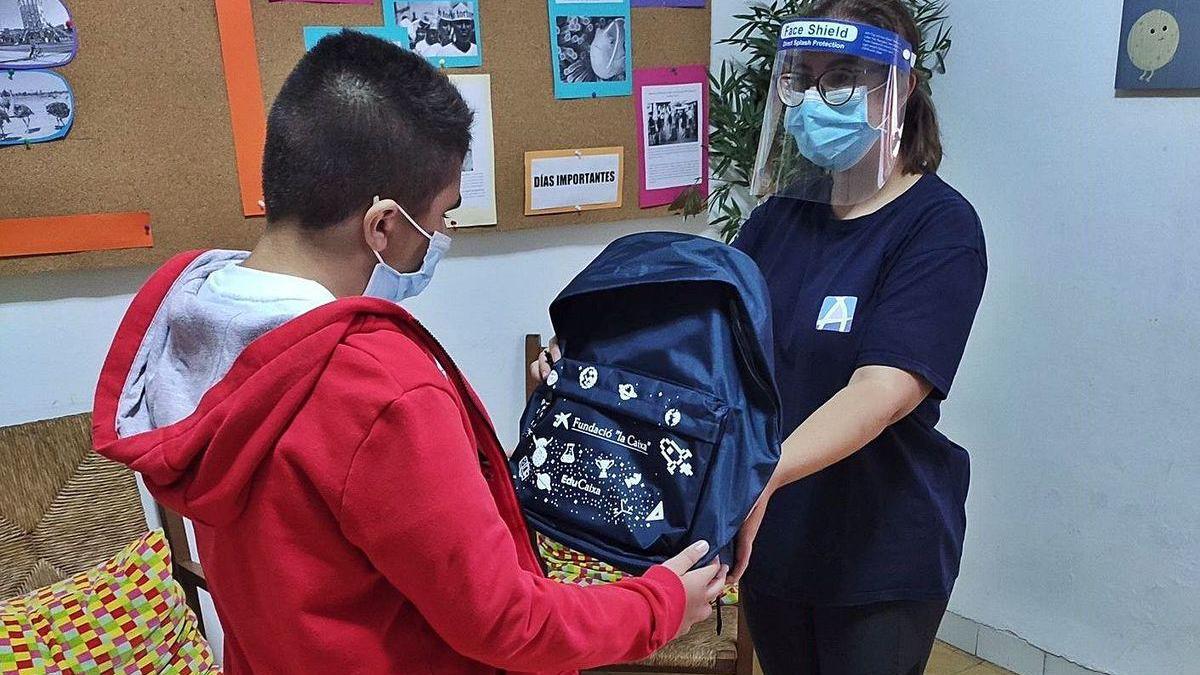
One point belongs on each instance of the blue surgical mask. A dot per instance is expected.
(388, 283)
(833, 138)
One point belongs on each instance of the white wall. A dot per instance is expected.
(1077, 396)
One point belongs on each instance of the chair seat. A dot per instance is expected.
(700, 651)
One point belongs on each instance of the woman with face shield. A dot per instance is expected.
(876, 268)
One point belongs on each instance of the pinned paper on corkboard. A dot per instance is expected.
(563, 181)
(36, 106)
(448, 33)
(591, 49)
(394, 34)
(672, 118)
(71, 234)
(247, 112)
(478, 185)
(698, 4)
(36, 34)
(331, 2)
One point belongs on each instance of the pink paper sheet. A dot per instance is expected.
(644, 77)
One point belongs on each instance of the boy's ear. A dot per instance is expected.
(378, 223)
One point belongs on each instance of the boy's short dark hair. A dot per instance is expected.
(360, 117)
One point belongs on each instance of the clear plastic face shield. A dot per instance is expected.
(834, 117)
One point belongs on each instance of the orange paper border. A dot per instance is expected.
(243, 83)
(577, 152)
(71, 234)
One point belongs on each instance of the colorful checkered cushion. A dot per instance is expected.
(126, 615)
(572, 567)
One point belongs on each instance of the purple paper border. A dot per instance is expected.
(668, 3)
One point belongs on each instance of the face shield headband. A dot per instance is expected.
(849, 38)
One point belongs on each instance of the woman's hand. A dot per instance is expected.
(744, 543)
(702, 586)
(540, 369)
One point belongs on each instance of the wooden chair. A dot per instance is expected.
(701, 651)
(187, 570)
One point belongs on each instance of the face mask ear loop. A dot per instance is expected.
(414, 223)
(408, 218)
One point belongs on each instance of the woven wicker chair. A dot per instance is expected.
(63, 508)
(702, 650)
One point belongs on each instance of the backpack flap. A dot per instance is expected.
(613, 463)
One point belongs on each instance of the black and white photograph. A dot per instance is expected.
(35, 106)
(673, 126)
(35, 34)
(591, 49)
(440, 28)
(671, 123)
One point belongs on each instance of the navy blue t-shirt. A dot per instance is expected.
(898, 288)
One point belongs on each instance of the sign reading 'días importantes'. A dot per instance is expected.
(561, 181)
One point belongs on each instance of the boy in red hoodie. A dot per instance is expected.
(353, 502)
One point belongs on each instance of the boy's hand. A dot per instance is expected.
(703, 586)
(540, 369)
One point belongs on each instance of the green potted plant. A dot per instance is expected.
(738, 94)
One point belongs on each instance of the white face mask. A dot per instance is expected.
(388, 283)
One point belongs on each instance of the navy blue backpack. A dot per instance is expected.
(659, 426)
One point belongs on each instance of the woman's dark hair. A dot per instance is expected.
(921, 149)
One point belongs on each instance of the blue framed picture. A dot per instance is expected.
(446, 32)
(590, 48)
(394, 34)
(36, 106)
(1160, 45)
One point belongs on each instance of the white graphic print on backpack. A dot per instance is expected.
(620, 457)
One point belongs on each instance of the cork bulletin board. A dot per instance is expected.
(153, 130)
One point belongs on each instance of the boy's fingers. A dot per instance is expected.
(717, 583)
(720, 578)
(707, 574)
(687, 558)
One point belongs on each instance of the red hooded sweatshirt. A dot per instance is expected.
(355, 508)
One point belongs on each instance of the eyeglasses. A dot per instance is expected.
(836, 85)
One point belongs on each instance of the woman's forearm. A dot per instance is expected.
(875, 398)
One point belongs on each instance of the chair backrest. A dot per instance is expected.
(63, 508)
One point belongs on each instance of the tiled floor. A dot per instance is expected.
(947, 660)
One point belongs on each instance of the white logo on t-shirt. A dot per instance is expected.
(837, 313)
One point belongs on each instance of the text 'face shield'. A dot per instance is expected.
(834, 117)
